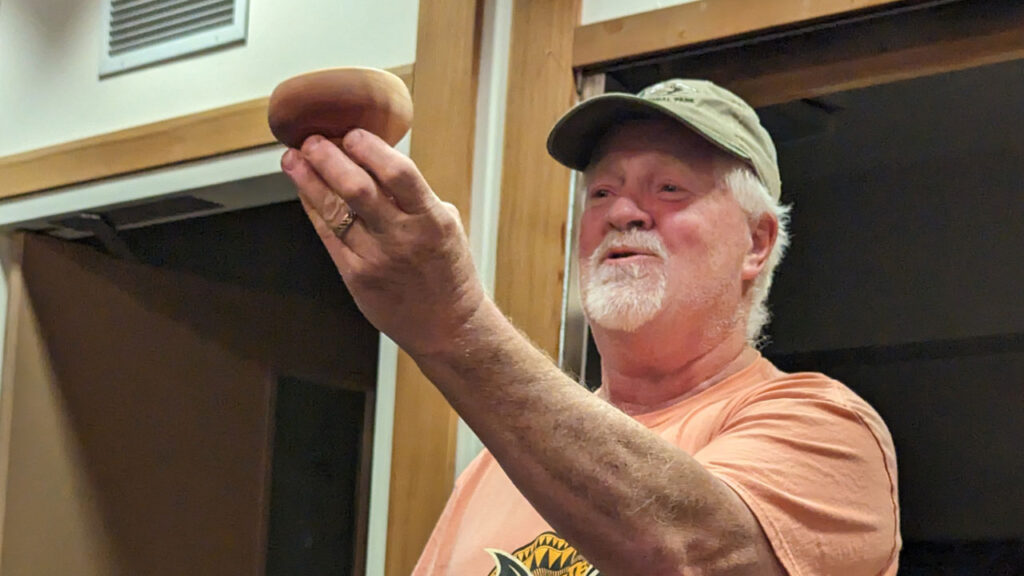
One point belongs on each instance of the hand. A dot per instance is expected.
(405, 259)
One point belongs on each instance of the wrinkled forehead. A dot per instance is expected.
(647, 135)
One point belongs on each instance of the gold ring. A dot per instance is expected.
(345, 223)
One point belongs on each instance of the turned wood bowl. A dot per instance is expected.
(332, 102)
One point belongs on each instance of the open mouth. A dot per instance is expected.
(623, 253)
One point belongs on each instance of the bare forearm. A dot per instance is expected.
(621, 494)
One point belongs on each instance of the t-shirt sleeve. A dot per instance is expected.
(817, 469)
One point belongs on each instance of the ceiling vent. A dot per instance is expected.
(141, 32)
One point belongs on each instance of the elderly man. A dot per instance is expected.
(696, 455)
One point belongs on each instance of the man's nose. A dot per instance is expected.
(626, 214)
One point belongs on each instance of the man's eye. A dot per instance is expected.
(670, 188)
(599, 193)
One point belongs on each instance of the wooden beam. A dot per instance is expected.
(939, 40)
(535, 189)
(870, 68)
(694, 23)
(233, 128)
(444, 104)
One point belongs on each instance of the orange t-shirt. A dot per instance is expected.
(812, 460)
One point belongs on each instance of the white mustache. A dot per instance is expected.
(634, 240)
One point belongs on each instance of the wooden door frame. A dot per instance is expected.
(678, 27)
(442, 145)
(818, 51)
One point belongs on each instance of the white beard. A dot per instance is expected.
(624, 296)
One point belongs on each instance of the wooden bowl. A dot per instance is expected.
(334, 101)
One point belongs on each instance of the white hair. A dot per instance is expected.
(753, 196)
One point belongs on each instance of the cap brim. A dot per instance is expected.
(573, 138)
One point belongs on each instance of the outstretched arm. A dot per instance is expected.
(617, 491)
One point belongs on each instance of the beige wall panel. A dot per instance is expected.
(135, 446)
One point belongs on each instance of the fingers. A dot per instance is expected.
(313, 190)
(394, 171)
(343, 256)
(327, 211)
(346, 179)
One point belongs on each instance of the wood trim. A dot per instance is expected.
(233, 128)
(444, 101)
(535, 189)
(676, 26)
(813, 78)
(874, 51)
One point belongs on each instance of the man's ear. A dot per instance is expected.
(763, 234)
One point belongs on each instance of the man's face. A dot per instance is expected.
(659, 238)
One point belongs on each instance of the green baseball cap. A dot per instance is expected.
(711, 111)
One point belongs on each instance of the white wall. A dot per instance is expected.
(50, 90)
(600, 10)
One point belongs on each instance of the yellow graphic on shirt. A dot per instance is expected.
(547, 555)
